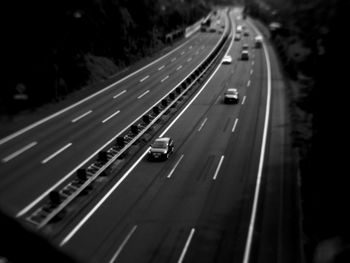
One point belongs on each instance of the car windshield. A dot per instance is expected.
(159, 144)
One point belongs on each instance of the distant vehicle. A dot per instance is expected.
(231, 96)
(244, 55)
(245, 46)
(258, 41)
(239, 29)
(212, 30)
(161, 148)
(246, 33)
(237, 37)
(227, 59)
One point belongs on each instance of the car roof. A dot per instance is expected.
(163, 139)
(232, 89)
(244, 51)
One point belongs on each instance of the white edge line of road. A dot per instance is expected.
(94, 209)
(38, 199)
(21, 131)
(262, 157)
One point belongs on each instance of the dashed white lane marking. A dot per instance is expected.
(160, 68)
(234, 126)
(251, 72)
(121, 93)
(111, 116)
(143, 94)
(164, 79)
(202, 124)
(143, 79)
(187, 244)
(120, 248)
(177, 163)
(20, 151)
(244, 98)
(172, 60)
(81, 116)
(56, 153)
(218, 168)
(188, 60)
(248, 83)
(179, 67)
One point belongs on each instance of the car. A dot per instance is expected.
(227, 59)
(245, 46)
(239, 29)
(258, 41)
(237, 37)
(244, 55)
(161, 148)
(231, 96)
(246, 33)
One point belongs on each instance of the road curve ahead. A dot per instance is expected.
(197, 206)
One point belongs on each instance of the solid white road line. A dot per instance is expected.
(160, 68)
(111, 116)
(143, 79)
(261, 161)
(143, 94)
(202, 124)
(179, 67)
(234, 126)
(116, 254)
(81, 116)
(243, 100)
(93, 210)
(116, 96)
(22, 150)
(218, 167)
(187, 244)
(56, 153)
(177, 163)
(25, 129)
(165, 79)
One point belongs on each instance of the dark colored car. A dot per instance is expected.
(161, 149)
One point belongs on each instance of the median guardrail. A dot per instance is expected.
(59, 199)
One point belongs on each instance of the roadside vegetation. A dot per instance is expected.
(311, 44)
(53, 48)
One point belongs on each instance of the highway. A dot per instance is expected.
(39, 158)
(226, 194)
(196, 206)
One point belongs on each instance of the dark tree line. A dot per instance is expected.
(54, 47)
(321, 27)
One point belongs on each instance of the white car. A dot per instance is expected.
(231, 95)
(227, 59)
(258, 41)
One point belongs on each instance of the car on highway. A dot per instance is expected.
(231, 96)
(246, 33)
(244, 55)
(258, 41)
(245, 46)
(237, 37)
(161, 149)
(227, 59)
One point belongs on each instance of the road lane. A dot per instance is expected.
(218, 209)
